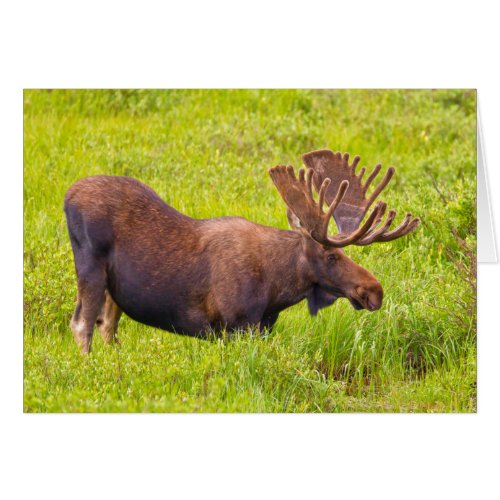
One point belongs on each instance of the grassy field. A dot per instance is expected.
(207, 153)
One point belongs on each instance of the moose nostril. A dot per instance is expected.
(361, 292)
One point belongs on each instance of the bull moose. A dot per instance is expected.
(136, 254)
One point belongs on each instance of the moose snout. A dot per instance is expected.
(371, 296)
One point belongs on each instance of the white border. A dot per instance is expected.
(231, 44)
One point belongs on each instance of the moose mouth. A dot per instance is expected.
(359, 303)
(329, 294)
(355, 302)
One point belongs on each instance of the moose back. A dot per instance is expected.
(136, 254)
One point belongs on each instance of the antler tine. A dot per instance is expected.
(406, 227)
(322, 191)
(383, 183)
(361, 173)
(309, 177)
(345, 161)
(372, 176)
(383, 207)
(301, 174)
(355, 162)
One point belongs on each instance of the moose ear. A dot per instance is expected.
(293, 220)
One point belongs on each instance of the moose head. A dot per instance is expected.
(345, 195)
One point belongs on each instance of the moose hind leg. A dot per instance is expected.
(107, 321)
(76, 314)
(90, 300)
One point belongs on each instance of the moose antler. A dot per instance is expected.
(297, 194)
(354, 205)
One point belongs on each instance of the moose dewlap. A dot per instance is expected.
(136, 254)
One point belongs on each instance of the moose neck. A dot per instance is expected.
(288, 269)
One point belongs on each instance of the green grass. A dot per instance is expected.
(207, 154)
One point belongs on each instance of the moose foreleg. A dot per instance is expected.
(268, 321)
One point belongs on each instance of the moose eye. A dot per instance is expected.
(332, 258)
